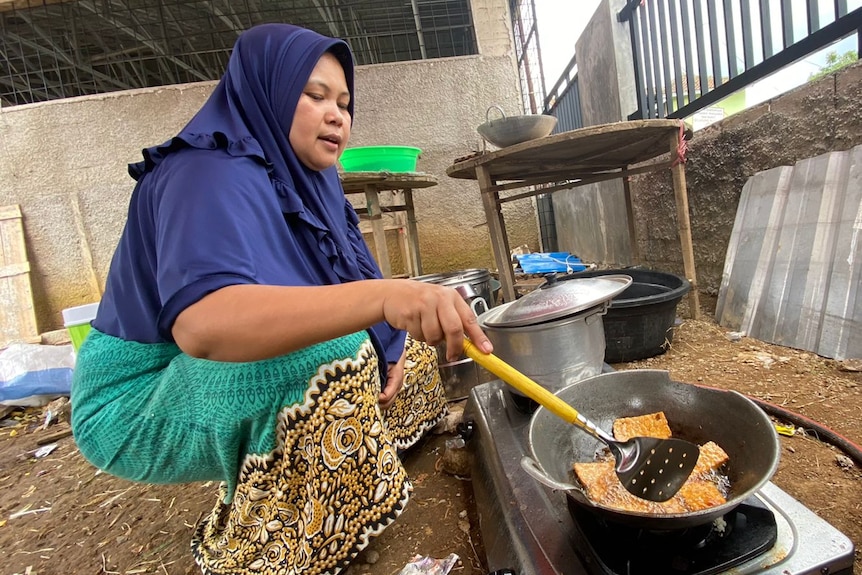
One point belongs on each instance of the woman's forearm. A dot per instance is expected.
(251, 322)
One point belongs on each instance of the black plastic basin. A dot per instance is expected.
(639, 322)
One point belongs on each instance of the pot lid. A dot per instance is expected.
(559, 299)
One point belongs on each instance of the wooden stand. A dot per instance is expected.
(372, 184)
(578, 158)
(17, 313)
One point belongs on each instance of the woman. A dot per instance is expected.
(245, 334)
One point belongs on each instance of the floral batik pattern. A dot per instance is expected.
(334, 479)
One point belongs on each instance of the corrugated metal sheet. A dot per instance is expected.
(794, 262)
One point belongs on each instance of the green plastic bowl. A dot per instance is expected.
(380, 159)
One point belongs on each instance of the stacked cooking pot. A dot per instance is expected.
(476, 287)
(554, 334)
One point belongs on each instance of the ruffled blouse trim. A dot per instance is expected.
(247, 146)
(292, 204)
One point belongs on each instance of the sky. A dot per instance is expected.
(560, 23)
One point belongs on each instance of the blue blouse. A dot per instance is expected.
(227, 202)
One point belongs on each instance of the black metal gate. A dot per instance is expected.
(689, 54)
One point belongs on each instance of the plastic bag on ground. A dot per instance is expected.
(429, 566)
(32, 375)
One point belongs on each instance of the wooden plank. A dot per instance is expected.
(412, 232)
(14, 269)
(497, 230)
(604, 147)
(10, 212)
(630, 217)
(376, 218)
(17, 314)
(355, 182)
(684, 226)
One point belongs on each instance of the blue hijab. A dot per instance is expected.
(227, 201)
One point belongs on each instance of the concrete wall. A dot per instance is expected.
(65, 161)
(587, 217)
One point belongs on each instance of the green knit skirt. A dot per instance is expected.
(309, 462)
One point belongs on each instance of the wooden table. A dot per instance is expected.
(401, 185)
(577, 158)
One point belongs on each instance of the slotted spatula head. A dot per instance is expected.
(652, 468)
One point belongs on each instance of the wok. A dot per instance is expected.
(696, 414)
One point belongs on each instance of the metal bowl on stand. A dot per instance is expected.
(511, 130)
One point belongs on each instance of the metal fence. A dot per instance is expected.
(564, 101)
(57, 49)
(689, 54)
(528, 52)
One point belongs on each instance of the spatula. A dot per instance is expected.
(648, 467)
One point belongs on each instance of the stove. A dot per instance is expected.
(529, 529)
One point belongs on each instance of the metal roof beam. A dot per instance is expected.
(57, 53)
(88, 5)
(231, 23)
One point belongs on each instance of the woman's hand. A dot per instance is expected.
(394, 382)
(433, 314)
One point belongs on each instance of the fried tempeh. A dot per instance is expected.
(700, 491)
(597, 478)
(650, 425)
(699, 495)
(710, 459)
(603, 487)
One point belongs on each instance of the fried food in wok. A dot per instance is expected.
(650, 425)
(701, 491)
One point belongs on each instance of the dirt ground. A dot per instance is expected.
(59, 515)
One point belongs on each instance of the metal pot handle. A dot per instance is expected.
(475, 303)
(488, 111)
(533, 470)
(472, 298)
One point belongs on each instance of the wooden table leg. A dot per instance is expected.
(401, 227)
(497, 231)
(412, 233)
(681, 196)
(630, 215)
(375, 214)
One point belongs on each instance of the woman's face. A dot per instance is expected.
(321, 125)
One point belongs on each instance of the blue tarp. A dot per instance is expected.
(547, 262)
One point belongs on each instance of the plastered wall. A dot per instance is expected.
(65, 162)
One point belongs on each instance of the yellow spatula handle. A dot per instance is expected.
(522, 383)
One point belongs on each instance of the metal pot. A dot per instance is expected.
(695, 413)
(554, 334)
(476, 283)
(476, 288)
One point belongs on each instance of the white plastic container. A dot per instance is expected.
(77, 321)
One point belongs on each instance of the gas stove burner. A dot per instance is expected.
(522, 403)
(744, 533)
(529, 529)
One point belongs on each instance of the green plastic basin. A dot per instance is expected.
(380, 159)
